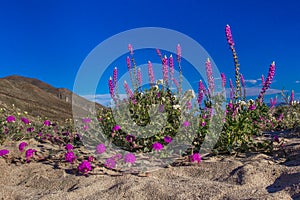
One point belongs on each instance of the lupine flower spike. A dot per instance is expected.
(150, 73)
(268, 81)
(236, 62)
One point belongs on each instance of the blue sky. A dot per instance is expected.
(49, 40)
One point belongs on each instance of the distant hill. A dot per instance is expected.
(41, 99)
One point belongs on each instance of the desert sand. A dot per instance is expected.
(245, 176)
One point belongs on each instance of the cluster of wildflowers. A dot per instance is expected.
(242, 119)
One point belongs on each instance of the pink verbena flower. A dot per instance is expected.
(100, 148)
(25, 120)
(69, 147)
(168, 139)
(157, 146)
(130, 138)
(116, 128)
(4, 152)
(196, 157)
(22, 146)
(70, 157)
(86, 120)
(110, 163)
(10, 119)
(84, 167)
(129, 158)
(47, 123)
(186, 124)
(29, 154)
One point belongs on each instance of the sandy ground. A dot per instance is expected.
(253, 176)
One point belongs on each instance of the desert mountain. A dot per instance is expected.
(40, 99)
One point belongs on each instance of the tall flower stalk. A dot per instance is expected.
(238, 92)
(268, 81)
(134, 79)
(180, 68)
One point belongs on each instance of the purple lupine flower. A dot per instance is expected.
(130, 48)
(158, 53)
(111, 87)
(168, 139)
(203, 123)
(139, 76)
(196, 157)
(10, 119)
(47, 123)
(171, 63)
(230, 106)
(128, 90)
(273, 102)
(84, 167)
(231, 89)
(157, 146)
(110, 163)
(186, 124)
(223, 80)
(115, 76)
(268, 80)
(29, 154)
(70, 157)
(201, 91)
(4, 152)
(165, 69)
(90, 158)
(86, 120)
(22, 146)
(129, 158)
(229, 36)
(100, 148)
(69, 147)
(25, 120)
(128, 62)
(242, 80)
(150, 72)
(209, 75)
(130, 138)
(178, 53)
(292, 97)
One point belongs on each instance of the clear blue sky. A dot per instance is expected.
(48, 39)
